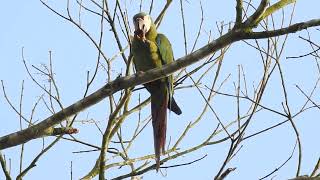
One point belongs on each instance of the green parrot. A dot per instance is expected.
(152, 50)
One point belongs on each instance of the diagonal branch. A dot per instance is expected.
(250, 22)
(118, 84)
(158, 20)
(282, 31)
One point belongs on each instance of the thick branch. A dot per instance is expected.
(239, 9)
(250, 22)
(118, 84)
(290, 29)
(270, 10)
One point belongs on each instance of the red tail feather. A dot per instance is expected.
(159, 122)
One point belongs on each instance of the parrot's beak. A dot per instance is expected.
(140, 28)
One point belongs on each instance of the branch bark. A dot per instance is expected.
(237, 34)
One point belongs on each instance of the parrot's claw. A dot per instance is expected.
(144, 39)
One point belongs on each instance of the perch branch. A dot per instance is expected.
(120, 83)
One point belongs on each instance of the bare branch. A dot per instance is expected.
(285, 162)
(239, 9)
(120, 83)
(250, 22)
(4, 167)
(158, 20)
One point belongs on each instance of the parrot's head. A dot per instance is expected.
(142, 23)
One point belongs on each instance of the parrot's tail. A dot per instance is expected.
(173, 106)
(159, 121)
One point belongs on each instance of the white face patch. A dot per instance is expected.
(147, 23)
(142, 25)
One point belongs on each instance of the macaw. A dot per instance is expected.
(152, 50)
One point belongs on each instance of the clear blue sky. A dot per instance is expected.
(31, 25)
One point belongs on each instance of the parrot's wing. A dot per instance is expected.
(165, 49)
(166, 54)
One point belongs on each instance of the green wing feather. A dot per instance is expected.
(166, 54)
(165, 48)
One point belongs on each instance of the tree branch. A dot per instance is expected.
(4, 167)
(118, 84)
(239, 9)
(251, 21)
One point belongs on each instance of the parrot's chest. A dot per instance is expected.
(145, 55)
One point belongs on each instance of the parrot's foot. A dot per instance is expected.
(145, 40)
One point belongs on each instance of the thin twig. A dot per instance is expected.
(285, 162)
(4, 167)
